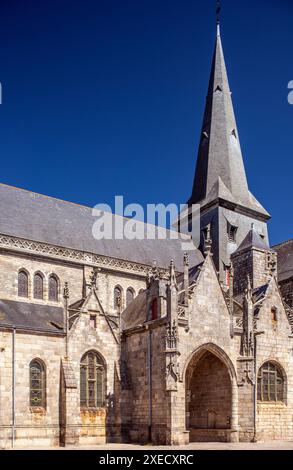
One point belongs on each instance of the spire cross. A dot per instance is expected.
(218, 10)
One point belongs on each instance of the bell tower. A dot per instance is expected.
(227, 207)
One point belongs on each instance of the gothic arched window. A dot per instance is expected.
(22, 284)
(92, 381)
(117, 297)
(129, 296)
(38, 286)
(37, 384)
(53, 288)
(270, 383)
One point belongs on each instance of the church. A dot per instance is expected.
(99, 343)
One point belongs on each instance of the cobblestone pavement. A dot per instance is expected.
(273, 445)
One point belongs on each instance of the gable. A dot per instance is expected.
(272, 316)
(209, 307)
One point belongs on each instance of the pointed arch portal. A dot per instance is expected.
(211, 397)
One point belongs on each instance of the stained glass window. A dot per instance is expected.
(117, 297)
(37, 384)
(92, 381)
(22, 284)
(129, 296)
(53, 288)
(270, 383)
(38, 286)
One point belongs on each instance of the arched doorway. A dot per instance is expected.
(210, 398)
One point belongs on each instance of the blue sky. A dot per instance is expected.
(106, 97)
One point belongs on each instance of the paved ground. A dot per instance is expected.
(273, 445)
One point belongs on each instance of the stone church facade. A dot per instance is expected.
(100, 344)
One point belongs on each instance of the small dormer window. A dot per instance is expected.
(231, 230)
(274, 312)
(93, 321)
(206, 232)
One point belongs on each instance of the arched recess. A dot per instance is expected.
(211, 395)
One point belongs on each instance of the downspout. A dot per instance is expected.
(150, 386)
(66, 325)
(13, 387)
(254, 394)
(255, 387)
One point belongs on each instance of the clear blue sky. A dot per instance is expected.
(106, 97)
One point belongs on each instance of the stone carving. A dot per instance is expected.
(248, 345)
(66, 291)
(155, 274)
(171, 335)
(289, 313)
(181, 311)
(186, 259)
(172, 372)
(239, 322)
(247, 340)
(172, 353)
(93, 278)
(247, 375)
(54, 251)
(271, 263)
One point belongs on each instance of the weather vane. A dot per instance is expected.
(218, 10)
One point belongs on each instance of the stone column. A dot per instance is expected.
(234, 412)
(69, 405)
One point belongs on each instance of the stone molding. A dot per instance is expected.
(8, 242)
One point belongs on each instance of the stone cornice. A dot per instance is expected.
(47, 250)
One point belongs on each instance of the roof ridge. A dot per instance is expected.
(90, 208)
(285, 242)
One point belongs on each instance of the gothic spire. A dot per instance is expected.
(220, 170)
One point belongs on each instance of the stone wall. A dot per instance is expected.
(209, 330)
(97, 426)
(33, 426)
(141, 405)
(75, 274)
(275, 420)
(252, 262)
(209, 395)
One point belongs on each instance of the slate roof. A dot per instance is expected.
(253, 239)
(32, 216)
(220, 171)
(135, 312)
(258, 293)
(285, 259)
(29, 316)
